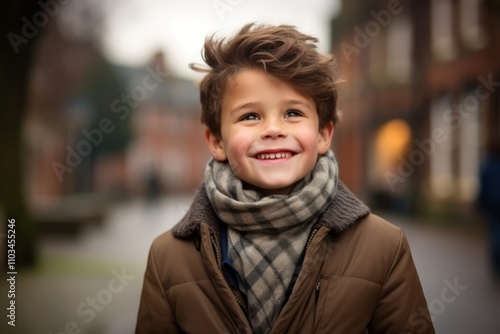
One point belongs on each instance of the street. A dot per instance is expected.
(461, 294)
(92, 282)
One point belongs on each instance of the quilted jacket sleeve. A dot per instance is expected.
(401, 307)
(155, 315)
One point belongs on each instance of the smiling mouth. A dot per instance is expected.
(271, 156)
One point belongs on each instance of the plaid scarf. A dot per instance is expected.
(267, 234)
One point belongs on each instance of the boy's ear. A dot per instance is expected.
(215, 145)
(325, 138)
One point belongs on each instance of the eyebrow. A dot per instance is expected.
(243, 106)
(298, 102)
(254, 104)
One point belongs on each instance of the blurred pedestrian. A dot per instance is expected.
(489, 203)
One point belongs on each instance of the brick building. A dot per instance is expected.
(95, 131)
(420, 101)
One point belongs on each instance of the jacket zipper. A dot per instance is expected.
(317, 288)
(316, 315)
(217, 252)
(219, 265)
(310, 238)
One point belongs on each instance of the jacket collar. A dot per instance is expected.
(344, 211)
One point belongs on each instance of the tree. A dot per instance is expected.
(15, 59)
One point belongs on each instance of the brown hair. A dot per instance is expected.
(281, 51)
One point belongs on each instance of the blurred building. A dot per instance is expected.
(96, 131)
(168, 153)
(420, 101)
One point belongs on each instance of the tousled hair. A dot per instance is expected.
(280, 51)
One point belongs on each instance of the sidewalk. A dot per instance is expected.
(93, 282)
(461, 293)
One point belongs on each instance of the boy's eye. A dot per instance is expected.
(249, 117)
(293, 113)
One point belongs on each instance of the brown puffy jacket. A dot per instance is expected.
(358, 276)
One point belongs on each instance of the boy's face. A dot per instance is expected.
(269, 132)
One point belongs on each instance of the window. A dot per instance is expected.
(469, 111)
(441, 121)
(471, 32)
(443, 44)
(377, 60)
(399, 49)
(390, 148)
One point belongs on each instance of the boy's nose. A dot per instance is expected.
(273, 129)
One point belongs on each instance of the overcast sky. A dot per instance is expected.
(136, 29)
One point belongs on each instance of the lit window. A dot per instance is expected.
(391, 145)
(443, 45)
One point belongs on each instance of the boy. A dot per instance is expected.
(273, 241)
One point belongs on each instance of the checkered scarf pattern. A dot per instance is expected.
(267, 234)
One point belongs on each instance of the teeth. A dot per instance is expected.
(267, 156)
